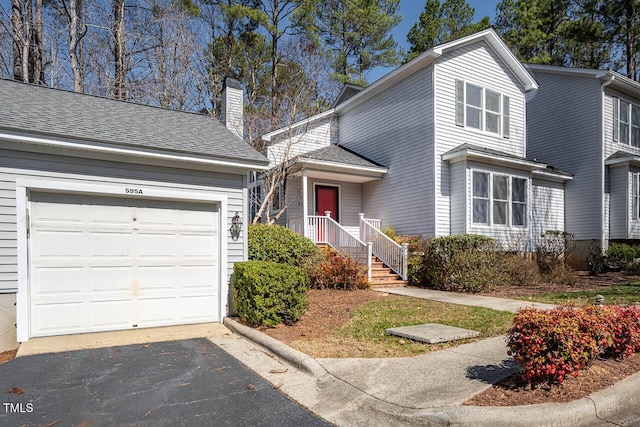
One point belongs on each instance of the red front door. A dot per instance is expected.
(327, 200)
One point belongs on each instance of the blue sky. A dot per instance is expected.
(410, 11)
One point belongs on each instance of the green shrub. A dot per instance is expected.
(624, 257)
(267, 293)
(279, 244)
(467, 263)
(337, 272)
(551, 344)
(596, 259)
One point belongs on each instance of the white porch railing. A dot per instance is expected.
(323, 229)
(383, 247)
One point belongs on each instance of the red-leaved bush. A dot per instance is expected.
(337, 272)
(551, 344)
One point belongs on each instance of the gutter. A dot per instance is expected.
(258, 165)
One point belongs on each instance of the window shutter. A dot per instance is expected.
(616, 118)
(459, 103)
(505, 116)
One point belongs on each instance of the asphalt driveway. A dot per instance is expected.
(190, 383)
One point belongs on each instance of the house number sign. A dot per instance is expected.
(133, 191)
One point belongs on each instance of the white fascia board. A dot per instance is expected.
(546, 173)
(631, 159)
(268, 136)
(137, 152)
(341, 166)
(555, 69)
(491, 158)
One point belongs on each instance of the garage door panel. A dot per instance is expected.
(118, 263)
(109, 314)
(198, 245)
(109, 245)
(197, 277)
(157, 278)
(155, 245)
(110, 279)
(196, 308)
(51, 318)
(57, 244)
(156, 311)
(51, 278)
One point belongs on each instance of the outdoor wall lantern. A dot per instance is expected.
(236, 226)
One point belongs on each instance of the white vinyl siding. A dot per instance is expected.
(547, 206)
(564, 129)
(473, 63)
(459, 203)
(624, 222)
(302, 139)
(395, 128)
(14, 164)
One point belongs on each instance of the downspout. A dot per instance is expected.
(610, 79)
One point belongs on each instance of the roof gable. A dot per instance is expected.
(91, 120)
(427, 58)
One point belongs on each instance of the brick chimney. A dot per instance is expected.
(232, 106)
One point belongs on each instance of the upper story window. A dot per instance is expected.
(499, 199)
(481, 108)
(626, 122)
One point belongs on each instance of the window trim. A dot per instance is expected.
(510, 201)
(461, 106)
(628, 122)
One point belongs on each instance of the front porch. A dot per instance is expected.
(324, 199)
(385, 260)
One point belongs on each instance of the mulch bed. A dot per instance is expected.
(603, 373)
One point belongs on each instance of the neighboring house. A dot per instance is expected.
(437, 147)
(587, 122)
(115, 215)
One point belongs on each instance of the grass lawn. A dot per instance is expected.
(628, 293)
(365, 335)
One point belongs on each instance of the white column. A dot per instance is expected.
(305, 205)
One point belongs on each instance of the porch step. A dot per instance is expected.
(383, 277)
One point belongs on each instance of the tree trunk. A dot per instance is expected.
(36, 48)
(17, 26)
(119, 50)
(74, 39)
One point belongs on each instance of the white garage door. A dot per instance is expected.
(101, 263)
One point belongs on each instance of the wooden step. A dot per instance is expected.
(389, 284)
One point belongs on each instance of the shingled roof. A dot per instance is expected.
(27, 109)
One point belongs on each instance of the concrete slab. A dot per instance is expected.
(433, 333)
(117, 338)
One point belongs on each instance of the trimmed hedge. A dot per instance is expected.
(471, 263)
(279, 244)
(267, 293)
(551, 344)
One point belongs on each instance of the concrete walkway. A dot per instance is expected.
(423, 390)
(500, 304)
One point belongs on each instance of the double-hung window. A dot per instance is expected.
(499, 199)
(481, 108)
(626, 122)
